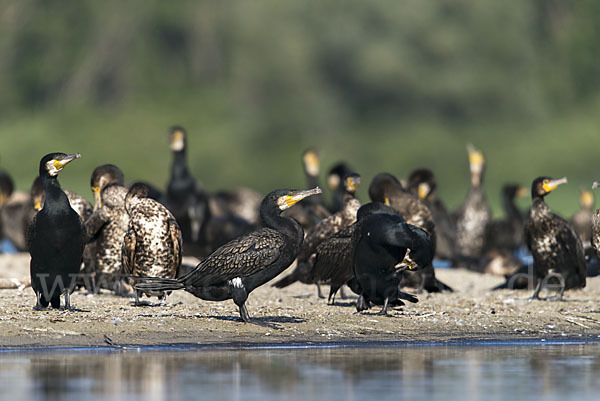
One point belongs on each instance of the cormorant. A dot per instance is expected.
(310, 212)
(84, 209)
(6, 189)
(153, 192)
(582, 220)
(16, 213)
(473, 215)
(556, 249)
(153, 244)
(382, 242)
(422, 184)
(245, 263)
(334, 181)
(185, 198)
(81, 205)
(507, 233)
(386, 188)
(108, 225)
(56, 238)
(595, 239)
(241, 202)
(321, 232)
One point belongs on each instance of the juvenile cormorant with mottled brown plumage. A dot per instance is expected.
(247, 262)
(582, 220)
(557, 251)
(152, 246)
(107, 225)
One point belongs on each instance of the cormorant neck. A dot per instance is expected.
(179, 167)
(54, 194)
(476, 179)
(511, 210)
(539, 206)
(289, 227)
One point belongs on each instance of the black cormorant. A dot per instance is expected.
(56, 238)
(153, 245)
(507, 233)
(557, 252)
(321, 232)
(334, 181)
(108, 225)
(240, 266)
(84, 209)
(474, 215)
(386, 188)
(382, 241)
(185, 198)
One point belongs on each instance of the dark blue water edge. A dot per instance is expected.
(181, 347)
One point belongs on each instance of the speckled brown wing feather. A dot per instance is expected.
(238, 258)
(128, 255)
(177, 242)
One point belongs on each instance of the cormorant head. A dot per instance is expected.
(285, 198)
(336, 174)
(37, 194)
(542, 186)
(476, 165)
(102, 177)
(310, 161)
(177, 138)
(53, 163)
(382, 185)
(351, 183)
(6, 187)
(586, 199)
(421, 183)
(136, 192)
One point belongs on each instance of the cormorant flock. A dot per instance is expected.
(133, 238)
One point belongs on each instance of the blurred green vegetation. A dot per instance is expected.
(384, 85)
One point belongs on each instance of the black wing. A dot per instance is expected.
(238, 258)
(574, 256)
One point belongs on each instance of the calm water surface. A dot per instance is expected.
(508, 373)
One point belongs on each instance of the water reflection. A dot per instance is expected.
(422, 373)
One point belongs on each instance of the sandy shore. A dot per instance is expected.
(296, 315)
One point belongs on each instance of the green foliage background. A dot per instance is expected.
(385, 85)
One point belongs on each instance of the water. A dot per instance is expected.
(550, 372)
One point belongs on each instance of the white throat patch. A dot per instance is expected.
(51, 168)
